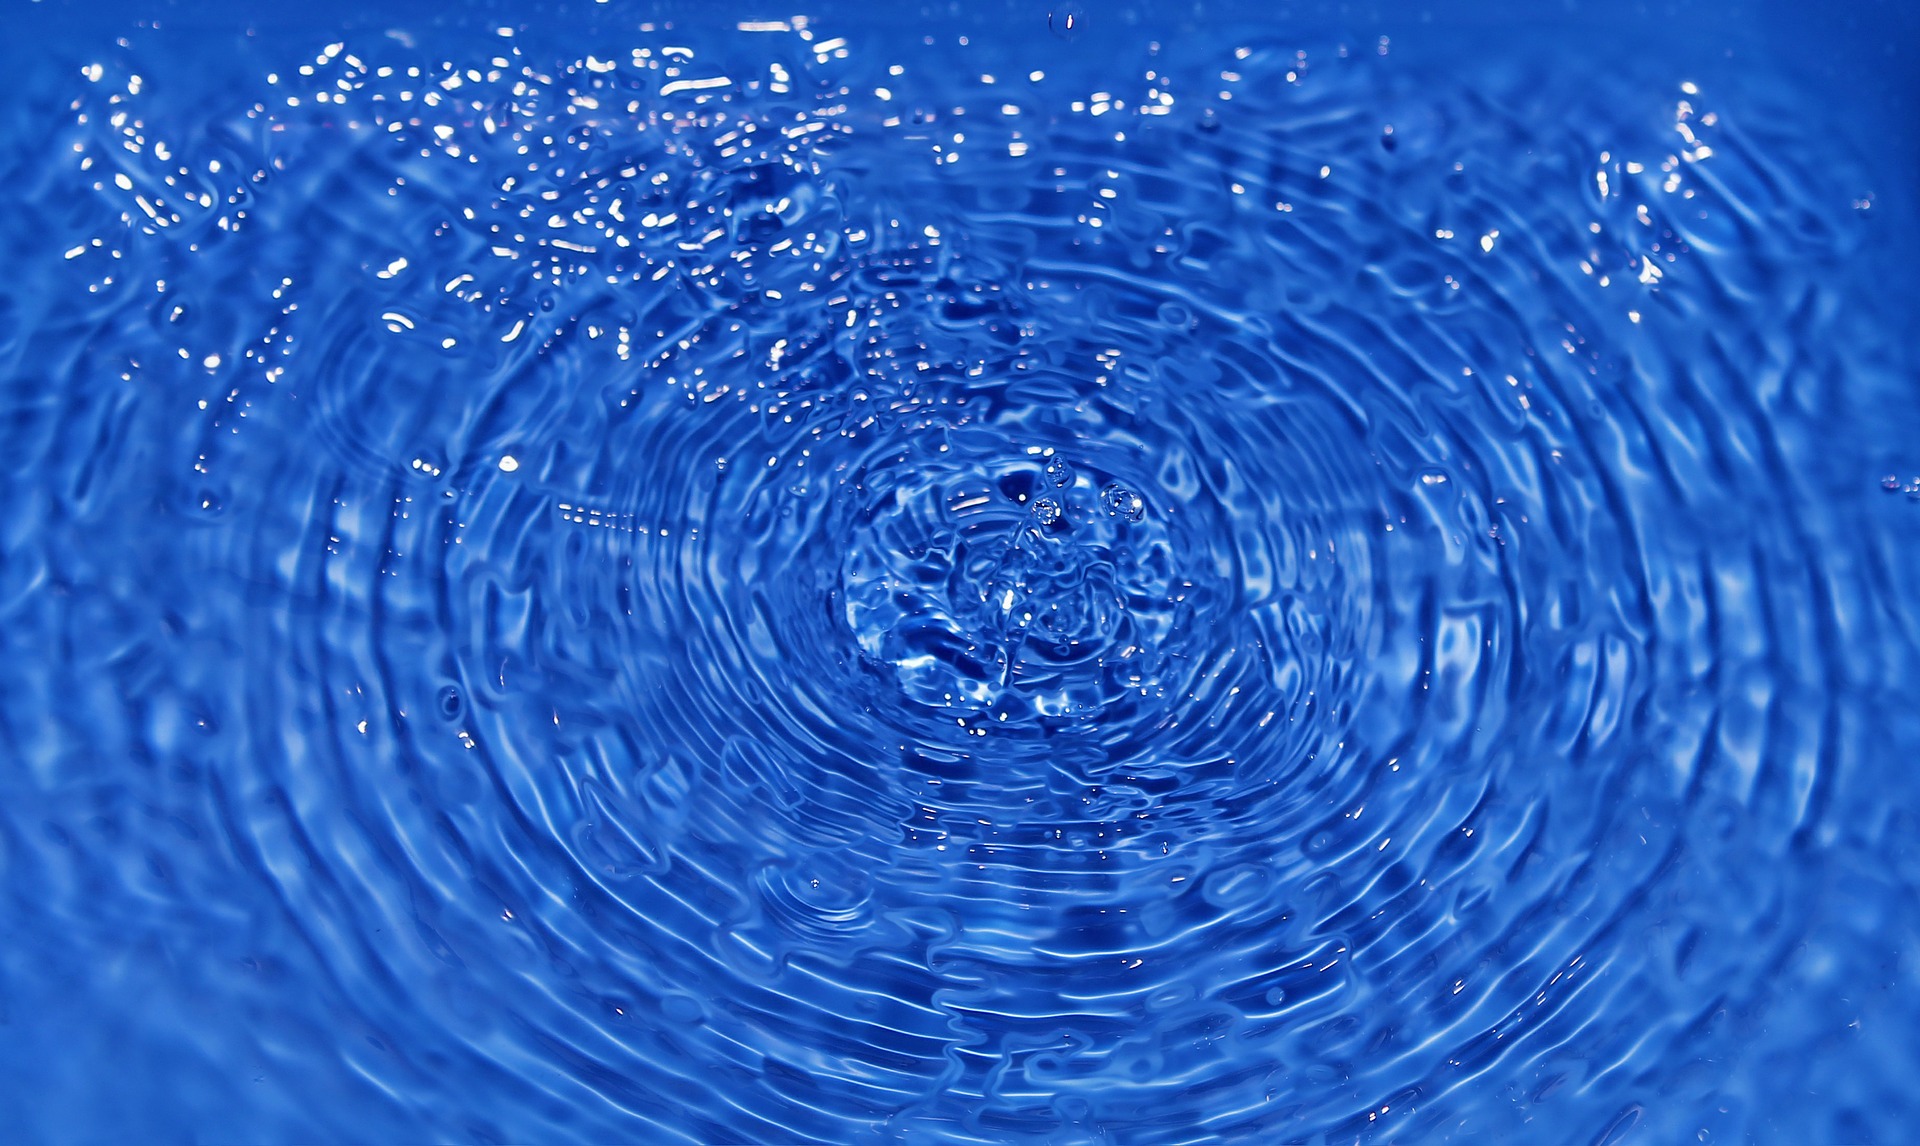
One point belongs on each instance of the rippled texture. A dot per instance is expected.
(811, 580)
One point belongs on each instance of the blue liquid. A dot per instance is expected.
(1114, 582)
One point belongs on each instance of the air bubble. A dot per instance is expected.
(1123, 502)
(1059, 471)
(1046, 511)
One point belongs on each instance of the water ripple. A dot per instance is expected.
(751, 585)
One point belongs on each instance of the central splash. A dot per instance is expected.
(1037, 587)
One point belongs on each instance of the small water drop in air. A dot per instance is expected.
(1046, 510)
(1059, 471)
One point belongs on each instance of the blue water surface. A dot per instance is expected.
(1019, 572)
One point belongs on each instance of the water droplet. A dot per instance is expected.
(1209, 121)
(1123, 502)
(1059, 471)
(1890, 483)
(1066, 21)
(1046, 511)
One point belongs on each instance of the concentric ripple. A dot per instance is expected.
(781, 582)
